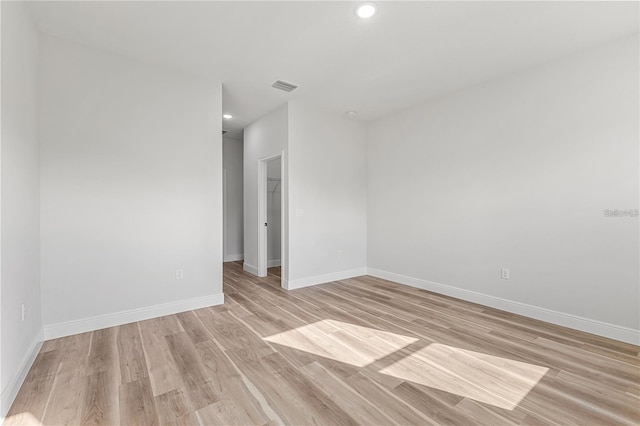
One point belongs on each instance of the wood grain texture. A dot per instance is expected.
(357, 351)
(100, 403)
(137, 405)
(132, 361)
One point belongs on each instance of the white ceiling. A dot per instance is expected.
(407, 53)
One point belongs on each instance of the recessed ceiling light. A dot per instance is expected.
(352, 113)
(227, 116)
(366, 10)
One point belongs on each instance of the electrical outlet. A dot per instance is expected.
(339, 253)
(24, 312)
(179, 274)
(504, 273)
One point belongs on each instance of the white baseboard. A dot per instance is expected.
(321, 279)
(54, 331)
(250, 269)
(10, 391)
(233, 257)
(600, 328)
(273, 263)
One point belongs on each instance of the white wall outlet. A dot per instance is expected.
(339, 253)
(24, 312)
(299, 212)
(179, 274)
(504, 273)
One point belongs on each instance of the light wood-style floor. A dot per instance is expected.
(358, 351)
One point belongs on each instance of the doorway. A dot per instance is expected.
(270, 235)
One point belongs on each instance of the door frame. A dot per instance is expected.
(225, 215)
(262, 214)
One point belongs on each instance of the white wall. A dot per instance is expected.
(517, 173)
(20, 212)
(131, 189)
(264, 137)
(327, 196)
(233, 234)
(274, 212)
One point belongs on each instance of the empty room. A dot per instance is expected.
(320, 213)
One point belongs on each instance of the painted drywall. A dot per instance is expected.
(517, 173)
(232, 162)
(20, 211)
(265, 137)
(274, 212)
(131, 188)
(327, 196)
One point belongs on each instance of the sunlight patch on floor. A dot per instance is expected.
(344, 342)
(485, 378)
(24, 418)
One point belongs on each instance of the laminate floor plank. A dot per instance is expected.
(361, 409)
(100, 405)
(137, 404)
(236, 336)
(103, 352)
(63, 407)
(196, 384)
(163, 372)
(224, 412)
(352, 311)
(133, 365)
(319, 407)
(193, 326)
(35, 391)
(562, 360)
(277, 392)
(357, 351)
(563, 409)
(482, 415)
(74, 351)
(400, 412)
(432, 402)
(296, 307)
(173, 408)
(228, 381)
(619, 407)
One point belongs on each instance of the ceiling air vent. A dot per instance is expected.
(283, 85)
